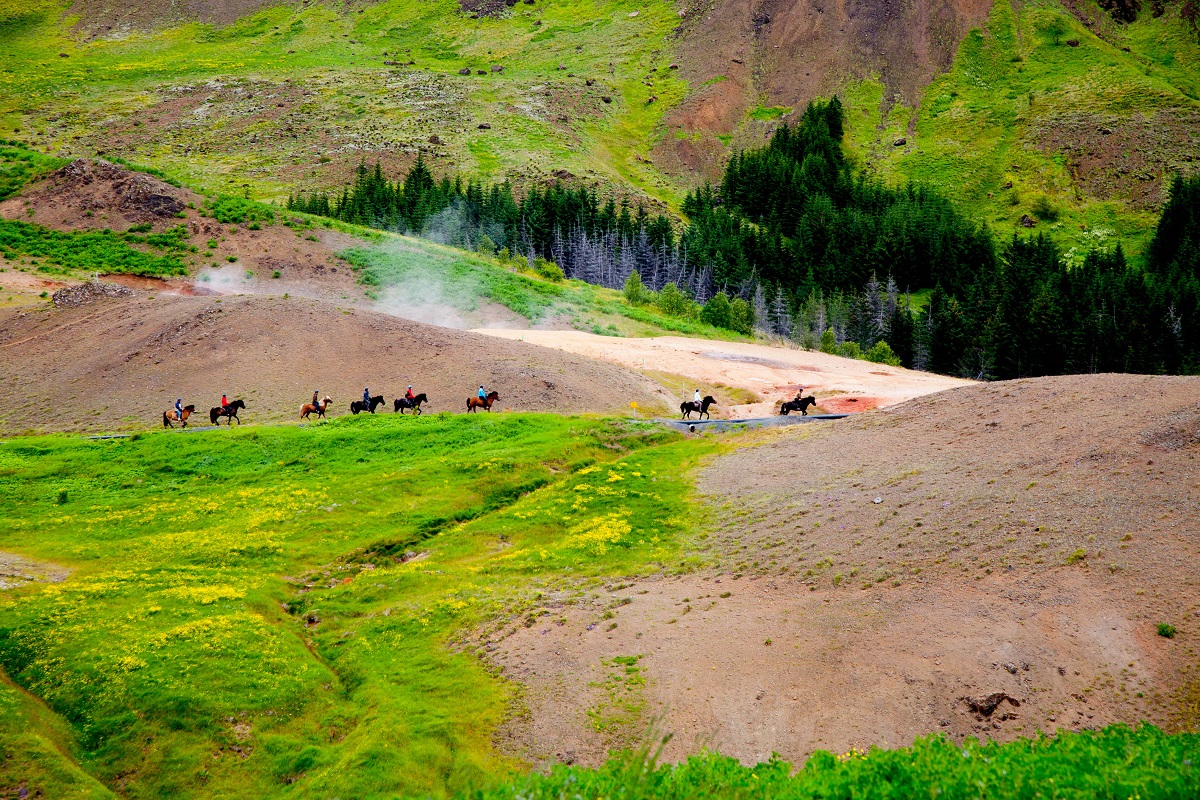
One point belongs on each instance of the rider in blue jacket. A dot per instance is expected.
(366, 397)
(482, 393)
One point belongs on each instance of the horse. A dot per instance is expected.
(169, 415)
(474, 403)
(800, 404)
(309, 408)
(231, 411)
(359, 405)
(687, 407)
(403, 403)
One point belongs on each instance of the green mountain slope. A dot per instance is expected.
(1089, 115)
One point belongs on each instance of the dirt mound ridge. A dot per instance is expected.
(116, 363)
(94, 194)
(84, 293)
(887, 575)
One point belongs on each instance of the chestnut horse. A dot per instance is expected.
(309, 408)
(170, 415)
(403, 404)
(474, 403)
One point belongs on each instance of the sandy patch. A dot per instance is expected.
(841, 385)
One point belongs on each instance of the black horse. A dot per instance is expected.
(700, 408)
(798, 403)
(403, 403)
(231, 411)
(359, 405)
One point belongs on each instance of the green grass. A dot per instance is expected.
(1012, 83)
(94, 251)
(411, 272)
(112, 93)
(1116, 763)
(183, 656)
(20, 165)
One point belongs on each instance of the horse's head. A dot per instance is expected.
(189, 408)
(238, 404)
(421, 398)
(493, 396)
(328, 400)
(709, 400)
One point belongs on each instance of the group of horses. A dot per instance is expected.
(700, 409)
(169, 418)
(401, 405)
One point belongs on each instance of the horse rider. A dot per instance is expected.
(224, 403)
(696, 397)
(179, 409)
(315, 403)
(366, 397)
(482, 393)
(408, 395)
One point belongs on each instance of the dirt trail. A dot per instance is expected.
(870, 579)
(774, 374)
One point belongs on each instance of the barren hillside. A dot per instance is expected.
(117, 363)
(881, 577)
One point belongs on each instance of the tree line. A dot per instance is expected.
(795, 242)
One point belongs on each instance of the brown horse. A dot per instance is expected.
(474, 403)
(170, 415)
(319, 408)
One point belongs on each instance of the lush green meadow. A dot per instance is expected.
(242, 618)
(1117, 763)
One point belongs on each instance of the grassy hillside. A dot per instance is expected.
(294, 97)
(295, 610)
(1088, 135)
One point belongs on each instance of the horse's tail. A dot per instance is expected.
(166, 422)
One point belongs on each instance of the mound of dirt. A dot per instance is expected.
(84, 191)
(83, 293)
(117, 363)
(891, 574)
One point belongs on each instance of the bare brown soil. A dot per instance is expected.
(94, 195)
(744, 54)
(118, 363)
(880, 577)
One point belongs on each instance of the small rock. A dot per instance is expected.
(1072, 43)
(651, 99)
(485, 126)
(435, 139)
(633, 13)
(1010, 667)
(606, 98)
(497, 68)
(737, 61)
(1027, 221)
(673, 66)
(481, 72)
(589, 82)
(877, 500)
(900, 142)
(562, 66)
(465, 71)
(1007, 185)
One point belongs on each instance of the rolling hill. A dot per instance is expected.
(639, 99)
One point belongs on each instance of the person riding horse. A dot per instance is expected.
(316, 401)
(408, 395)
(224, 405)
(367, 397)
(179, 409)
(482, 393)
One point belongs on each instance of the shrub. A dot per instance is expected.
(1166, 631)
(828, 342)
(673, 302)
(635, 291)
(548, 270)
(231, 210)
(1043, 209)
(718, 312)
(882, 353)
(741, 316)
(486, 245)
(849, 349)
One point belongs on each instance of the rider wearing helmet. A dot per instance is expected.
(408, 395)
(224, 403)
(366, 397)
(179, 409)
(315, 403)
(482, 393)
